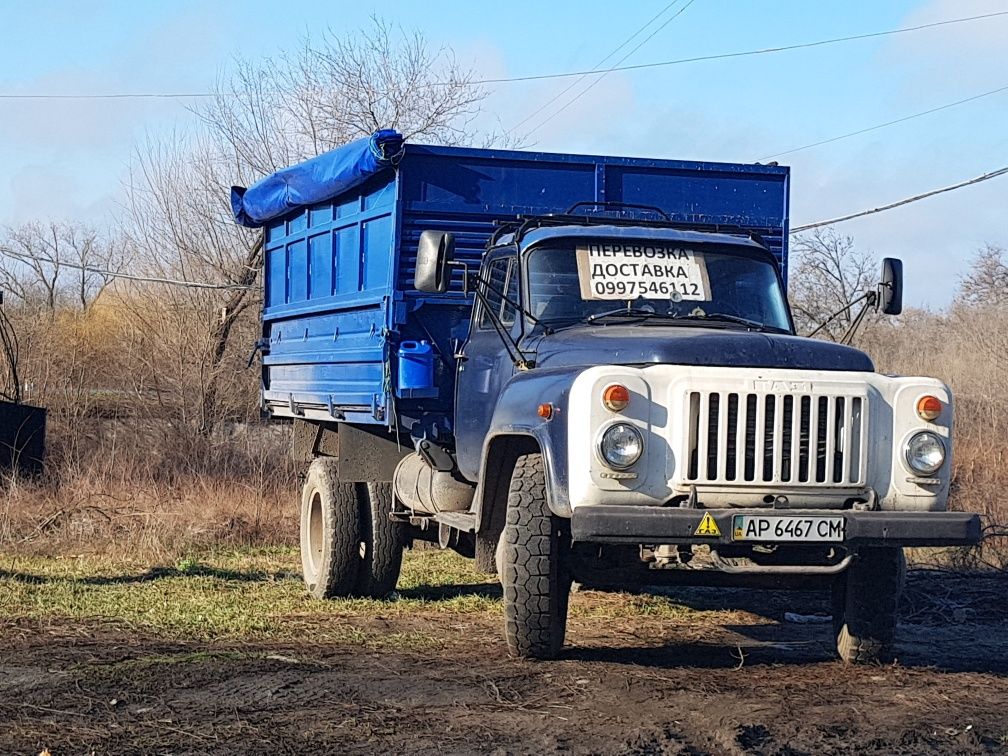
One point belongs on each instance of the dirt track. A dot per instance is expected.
(753, 686)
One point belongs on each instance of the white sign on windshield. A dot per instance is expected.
(653, 271)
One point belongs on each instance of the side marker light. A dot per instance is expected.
(929, 408)
(615, 397)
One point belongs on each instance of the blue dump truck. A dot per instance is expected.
(582, 369)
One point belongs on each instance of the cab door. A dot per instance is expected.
(484, 363)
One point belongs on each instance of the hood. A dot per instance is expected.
(688, 345)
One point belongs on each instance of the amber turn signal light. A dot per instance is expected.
(929, 407)
(545, 410)
(616, 397)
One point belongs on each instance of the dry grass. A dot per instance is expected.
(147, 451)
(157, 521)
(967, 347)
(155, 497)
(980, 484)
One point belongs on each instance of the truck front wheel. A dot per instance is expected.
(534, 565)
(865, 602)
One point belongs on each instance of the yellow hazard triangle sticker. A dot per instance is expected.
(707, 527)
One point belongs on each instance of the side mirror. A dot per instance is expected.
(891, 287)
(435, 251)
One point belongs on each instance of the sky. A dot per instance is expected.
(68, 159)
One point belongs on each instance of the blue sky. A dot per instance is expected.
(67, 159)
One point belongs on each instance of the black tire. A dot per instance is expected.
(534, 566)
(330, 532)
(486, 554)
(865, 604)
(381, 541)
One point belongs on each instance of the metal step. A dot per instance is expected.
(463, 521)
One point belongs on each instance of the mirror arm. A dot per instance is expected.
(841, 311)
(514, 351)
(879, 293)
(872, 300)
(465, 274)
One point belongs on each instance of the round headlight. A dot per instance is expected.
(621, 445)
(925, 453)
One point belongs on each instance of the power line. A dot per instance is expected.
(883, 125)
(598, 65)
(721, 56)
(539, 77)
(900, 203)
(109, 274)
(604, 73)
(113, 96)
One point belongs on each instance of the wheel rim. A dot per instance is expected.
(315, 531)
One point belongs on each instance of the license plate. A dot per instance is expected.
(773, 528)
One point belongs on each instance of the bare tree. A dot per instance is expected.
(45, 265)
(337, 88)
(181, 225)
(91, 260)
(33, 266)
(10, 381)
(980, 317)
(265, 116)
(828, 273)
(987, 282)
(13, 281)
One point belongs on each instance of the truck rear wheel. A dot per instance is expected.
(381, 543)
(865, 603)
(534, 565)
(330, 532)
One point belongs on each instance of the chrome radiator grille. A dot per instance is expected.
(793, 439)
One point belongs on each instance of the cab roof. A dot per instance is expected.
(650, 233)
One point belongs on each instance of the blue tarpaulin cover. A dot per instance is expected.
(315, 180)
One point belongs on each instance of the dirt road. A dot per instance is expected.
(741, 681)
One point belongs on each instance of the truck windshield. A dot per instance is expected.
(583, 281)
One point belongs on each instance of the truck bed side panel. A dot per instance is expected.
(328, 280)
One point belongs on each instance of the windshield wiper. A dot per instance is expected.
(560, 323)
(725, 318)
(718, 317)
(629, 312)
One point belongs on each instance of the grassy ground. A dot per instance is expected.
(258, 594)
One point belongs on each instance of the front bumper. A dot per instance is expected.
(660, 525)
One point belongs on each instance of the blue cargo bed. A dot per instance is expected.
(339, 294)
